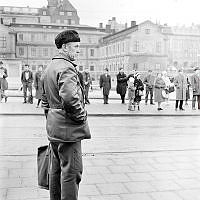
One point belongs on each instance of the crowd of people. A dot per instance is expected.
(155, 88)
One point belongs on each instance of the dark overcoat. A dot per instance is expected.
(38, 85)
(105, 83)
(3, 81)
(63, 94)
(139, 86)
(121, 84)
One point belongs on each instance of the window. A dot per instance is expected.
(135, 66)
(33, 51)
(13, 20)
(21, 51)
(32, 37)
(92, 52)
(158, 67)
(136, 46)
(158, 47)
(69, 14)
(45, 51)
(147, 31)
(62, 13)
(80, 68)
(92, 68)
(21, 36)
(45, 37)
(69, 21)
(3, 42)
(44, 12)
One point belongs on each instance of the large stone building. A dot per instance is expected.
(27, 36)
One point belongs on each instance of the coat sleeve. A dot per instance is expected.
(101, 82)
(45, 103)
(68, 91)
(5, 73)
(36, 81)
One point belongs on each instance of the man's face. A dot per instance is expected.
(26, 67)
(72, 50)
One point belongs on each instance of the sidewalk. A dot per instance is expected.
(14, 106)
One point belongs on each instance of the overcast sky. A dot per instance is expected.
(92, 12)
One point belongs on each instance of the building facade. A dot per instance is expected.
(30, 40)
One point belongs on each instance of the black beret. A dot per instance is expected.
(1, 63)
(66, 37)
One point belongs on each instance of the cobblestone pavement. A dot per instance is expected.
(128, 158)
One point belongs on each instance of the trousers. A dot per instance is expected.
(149, 90)
(194, 101)
(65, 170)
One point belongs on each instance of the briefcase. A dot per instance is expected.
(43, 163)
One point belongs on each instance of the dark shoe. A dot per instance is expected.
(160, 109)
(152, 103)
(6, 98)
(181, 109)
(24, 102)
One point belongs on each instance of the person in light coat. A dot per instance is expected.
(168, 84)
(159, 86)
(195, 82)
(180, 82)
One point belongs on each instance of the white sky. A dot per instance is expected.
(92, 12)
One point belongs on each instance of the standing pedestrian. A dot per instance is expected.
(67, 118)
(3, 82)
(38, 85)
(87, 83)
(159, 86)
(168, 84)
(180, 82)
(195, 82)
(139, 87)
(149, 82)
(187, 91)
(27, 81)
(131, 93)
(121, 84)
(105, 83)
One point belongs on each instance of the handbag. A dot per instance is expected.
(43, 164)
(164, 94)
(171, 89)
(140, 93)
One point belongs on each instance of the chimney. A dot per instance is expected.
(100, 25)
(113, 18)
(108, 28)
(133, 23)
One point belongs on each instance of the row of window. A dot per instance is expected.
(36, 52)
(91, 68)
(2, 42)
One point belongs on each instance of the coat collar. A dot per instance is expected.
(65, 57)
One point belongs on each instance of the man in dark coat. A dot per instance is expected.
(3, 82)
(87, 83)
(195, 82)
(27, 81)
(67, 118)
(149, 82)
(105, 83)
(38, 85)
(121, 84)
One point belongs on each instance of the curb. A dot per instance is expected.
(114, 115)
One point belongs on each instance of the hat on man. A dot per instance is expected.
(1, 63)
(66, 37)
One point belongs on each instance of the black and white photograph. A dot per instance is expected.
(99, 100)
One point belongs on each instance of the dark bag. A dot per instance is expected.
(171, 89)
(43, 163)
